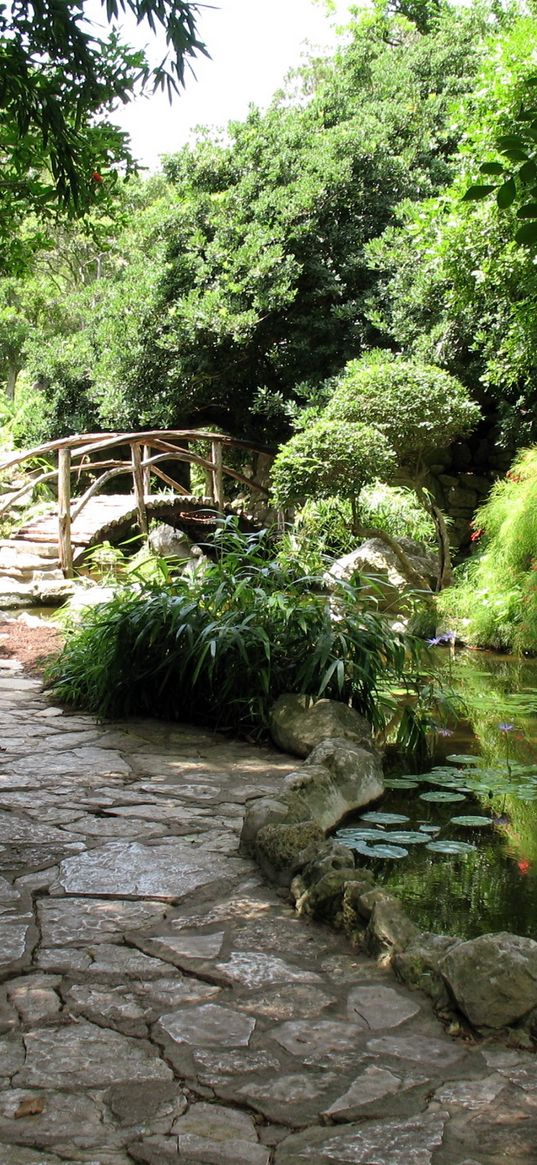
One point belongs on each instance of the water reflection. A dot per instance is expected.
(494, 887)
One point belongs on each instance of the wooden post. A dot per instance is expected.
(64, 511)
(146, 470)
(218, 476)
(138, 479)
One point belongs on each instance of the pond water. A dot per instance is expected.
(462, 834)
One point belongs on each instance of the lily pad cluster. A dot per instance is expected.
(386, 835)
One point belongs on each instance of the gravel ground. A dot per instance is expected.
(31, 644)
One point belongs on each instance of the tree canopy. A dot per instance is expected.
(265, 279)
(454, 287)
(60, 78)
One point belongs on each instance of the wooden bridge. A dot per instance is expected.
(86, 463)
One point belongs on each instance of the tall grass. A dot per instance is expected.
(218, 647)
(496, 592)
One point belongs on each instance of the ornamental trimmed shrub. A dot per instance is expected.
(330, 457)
(418, 407)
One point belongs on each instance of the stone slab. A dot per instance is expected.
(432, 1053)
(294, 1099)
(78, 921)
(207, 1026)
(15, 936)
(372, 1093)
(30, 1118)
(380, 1006)
(386, 1142)
(325, 1043)
(139, 871)
(86, 1056)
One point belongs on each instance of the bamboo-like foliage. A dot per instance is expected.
(220, 645)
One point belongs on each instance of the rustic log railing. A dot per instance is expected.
(75, 457)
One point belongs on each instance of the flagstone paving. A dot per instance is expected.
(160, 1003)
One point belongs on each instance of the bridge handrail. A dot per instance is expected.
(106, 440)
(71, 450)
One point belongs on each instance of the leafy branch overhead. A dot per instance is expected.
(516, 174)
(60, 79)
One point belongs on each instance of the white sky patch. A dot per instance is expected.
(253, 45)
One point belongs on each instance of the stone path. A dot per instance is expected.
(159, 1003)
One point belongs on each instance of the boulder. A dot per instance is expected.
(338, 777)
(375, 558)
(263, 811)
(84, 596)
(418, 965)
(389, 928)
(283, 850)
(493, 978)
(328, 858)
(15, 594)
(298, 723)
(52, 592)
(352, 919)
(171, 543)
(324, 899)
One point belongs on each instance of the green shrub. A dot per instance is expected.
(220, 646)
(398, 512)
(418, 407)
(496, 592)
(330, 457)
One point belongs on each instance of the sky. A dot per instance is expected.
(253, 44)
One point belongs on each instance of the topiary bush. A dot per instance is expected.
(330, 457)
(219, 647)
(418, 407)
(495, 595)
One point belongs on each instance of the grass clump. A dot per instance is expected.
(494, 599)
(220, 645)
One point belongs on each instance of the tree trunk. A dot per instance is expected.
(445, 571)
(11, 380)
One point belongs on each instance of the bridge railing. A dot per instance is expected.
(75, 457)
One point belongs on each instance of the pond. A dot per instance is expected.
(461, 836)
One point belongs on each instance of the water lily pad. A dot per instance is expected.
(405, 837)
(463, 759)
(361, 847)
(361, 834)
(388, 851)
(453, 782)
(384, 818)
(430, 828)
(400, 783)
(450, 847)
(476, 821)
(442, 795)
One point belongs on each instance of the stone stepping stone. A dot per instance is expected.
(132, 870)
(86, 1056)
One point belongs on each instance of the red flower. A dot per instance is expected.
(524, 866)
(476, 534)
(96, 177)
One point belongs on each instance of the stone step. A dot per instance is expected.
(25, 546)
(47, 571)
(20, 563)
